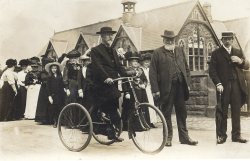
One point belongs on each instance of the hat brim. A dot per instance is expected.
(47, 66)
(133, 58)
(73, 56)
(170, 37)
(106, 32)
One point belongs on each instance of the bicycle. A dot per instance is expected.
(75, 123)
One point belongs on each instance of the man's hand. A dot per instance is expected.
(236, 59)
(109, 81)
(50, 100)
(219, 88)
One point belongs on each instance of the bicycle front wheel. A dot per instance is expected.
(148, 129)
(75, 127)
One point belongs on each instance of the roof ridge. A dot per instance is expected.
(236, 19)
(167, 6)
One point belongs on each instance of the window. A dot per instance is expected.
(196, 52)
(195, 14)
(181, 43)
(209, 50)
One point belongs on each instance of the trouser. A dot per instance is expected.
(111, 108)
(176, 98)
(231, 95)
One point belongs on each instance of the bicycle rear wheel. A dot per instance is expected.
(75, 127)
(152, 137)
(100, 129)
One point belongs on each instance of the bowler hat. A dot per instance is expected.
(227, 34)
(105, 30)
(132, 55)
(168, 34)
(73, 54)
(47, 66)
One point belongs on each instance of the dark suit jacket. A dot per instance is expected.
(161, 71)
(105, 64)
(220, 67)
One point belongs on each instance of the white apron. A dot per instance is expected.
(152, 114)
(31, 101)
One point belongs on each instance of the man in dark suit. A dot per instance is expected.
(226, 71)
(105, 68)
(170, 78)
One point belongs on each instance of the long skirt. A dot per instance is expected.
(31, 102)
(42, 111)
(21, 102)
(7, 103)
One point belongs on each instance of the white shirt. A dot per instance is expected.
(228, 49)
(9, 76)
(84, 69)
(21, 77)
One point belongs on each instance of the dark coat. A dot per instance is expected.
(161, 72)
(220, 67)
(105, 64)
(55, 89)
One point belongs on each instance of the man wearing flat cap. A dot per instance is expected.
(106, 67)
(170, 78)
(226, 71)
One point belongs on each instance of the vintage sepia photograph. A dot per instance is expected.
(124, 80)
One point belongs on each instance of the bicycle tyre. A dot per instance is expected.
(145, 142)
(75, 121)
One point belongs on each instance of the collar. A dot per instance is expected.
(228, 49)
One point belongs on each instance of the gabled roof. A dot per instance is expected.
(241, 28)
(91, 39)
(134, 33)
(154, 22)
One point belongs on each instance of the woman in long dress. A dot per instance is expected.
(9, 91)
(33, 84)
(145, 62)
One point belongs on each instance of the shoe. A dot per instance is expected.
(118, 139)
(168, 143)
(221, 140)
(239, 140)
(189, 142)
(55, 125)
(152, 125)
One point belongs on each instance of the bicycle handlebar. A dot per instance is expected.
(122, 78)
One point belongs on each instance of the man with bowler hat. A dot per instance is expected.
(226, 71)
(105, 68)
(170, 78)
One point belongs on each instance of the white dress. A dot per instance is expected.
(152, 114)
(31, 101)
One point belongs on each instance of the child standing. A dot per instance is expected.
(55, 90)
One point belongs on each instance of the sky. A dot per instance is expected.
(27, 25)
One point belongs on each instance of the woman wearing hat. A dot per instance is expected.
(139, 83)
(55, 90)
(42, 113)
(22, 91)
(32, 82)
(145, 62)
(9, 91)
(70, 76)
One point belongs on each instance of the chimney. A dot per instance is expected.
(207, 8)
(128, 10)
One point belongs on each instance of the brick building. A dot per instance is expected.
(196, 32)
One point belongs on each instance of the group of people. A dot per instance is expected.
(163, 78)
